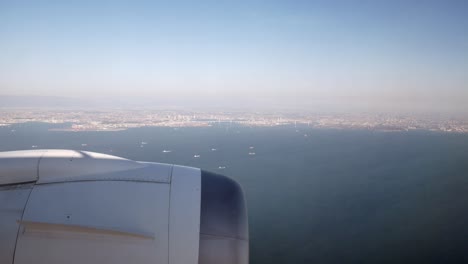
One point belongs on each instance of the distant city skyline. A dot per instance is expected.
(384, 55)
(101, 119)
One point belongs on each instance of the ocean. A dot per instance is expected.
(313, 195)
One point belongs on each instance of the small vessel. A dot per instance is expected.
(196, 156)
(221, 167)
(251, 153)
(144, 143)
(166, 151)
(84, 145)
(213, 149)
(33, 146)
(251, 147)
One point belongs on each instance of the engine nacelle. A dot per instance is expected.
(65, 206)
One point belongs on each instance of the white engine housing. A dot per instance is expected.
(65, 206)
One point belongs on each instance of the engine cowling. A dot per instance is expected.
(65, 206)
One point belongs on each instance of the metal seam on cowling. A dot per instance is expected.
(38, 164)
(224, 236)
(169, 217)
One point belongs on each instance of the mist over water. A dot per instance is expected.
(314, 195)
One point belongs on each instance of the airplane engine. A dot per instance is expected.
(70, 207)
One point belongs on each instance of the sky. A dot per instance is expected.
(370, 54)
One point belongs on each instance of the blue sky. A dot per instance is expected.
(365, 52)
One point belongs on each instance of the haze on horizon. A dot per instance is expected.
(353, 54)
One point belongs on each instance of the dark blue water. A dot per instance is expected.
(335, 196)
